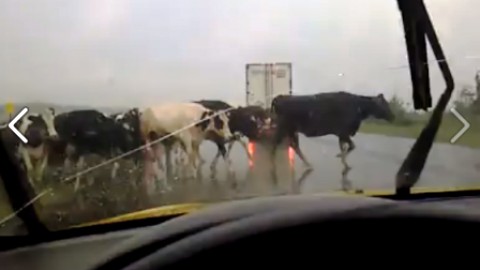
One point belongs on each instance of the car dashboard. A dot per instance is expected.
(86, 252)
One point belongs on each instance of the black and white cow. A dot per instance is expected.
(38, 128)
(92, 132)
(186, 123)
(336, 113)
(243, 122)
(130, 121)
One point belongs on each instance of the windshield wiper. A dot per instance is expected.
(418, 28)
(19, 191)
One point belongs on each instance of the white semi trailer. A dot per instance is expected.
(266, 81)
(263, 83)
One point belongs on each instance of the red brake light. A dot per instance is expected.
(251, 151)
(291, 156)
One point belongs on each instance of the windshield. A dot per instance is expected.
(140, 104)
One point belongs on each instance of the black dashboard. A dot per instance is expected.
(92, 251)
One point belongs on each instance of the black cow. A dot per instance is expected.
(336, 113)
(243, 122)
(92, 132)
(38, 128)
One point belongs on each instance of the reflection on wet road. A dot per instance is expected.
(374, 163)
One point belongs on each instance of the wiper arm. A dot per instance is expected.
(19, 192)
(418, 27)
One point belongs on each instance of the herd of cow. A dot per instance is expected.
(148, 134)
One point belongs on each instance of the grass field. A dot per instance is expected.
(450, 126)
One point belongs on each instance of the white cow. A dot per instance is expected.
(186, 122)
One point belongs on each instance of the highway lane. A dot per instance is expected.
(374, 163)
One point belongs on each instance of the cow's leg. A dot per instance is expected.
(226, 157)
(279, 135)
(191, 155)
(68, 167)
(343, 145)
(70, 152)
(200, 159)
(221, 151)
(148, 170)
(295, 144)
(156, 166)
(346, 146)
(79, 167)
(197, 167)
(282, 131)
(115, 167)
(245, 147)
(178, 159)
(40, 169)
(351, 145)
(196, 152)
(149, 162)
(159, 151)
(168, 160)
(28, 163)
(67, 164)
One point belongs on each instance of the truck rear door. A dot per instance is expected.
(265, 82)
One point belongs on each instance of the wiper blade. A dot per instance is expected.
(19, 191)
(418, 27)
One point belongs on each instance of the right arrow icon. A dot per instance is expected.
(465, 123)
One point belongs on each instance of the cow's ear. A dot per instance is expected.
(32, 117)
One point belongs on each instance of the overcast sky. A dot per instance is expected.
(137, 52)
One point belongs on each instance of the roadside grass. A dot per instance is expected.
(450, 126)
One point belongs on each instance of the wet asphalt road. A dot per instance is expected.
(374, 163)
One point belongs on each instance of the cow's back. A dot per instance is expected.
(319, 114)
(89, 130)
(214, 105)
(170, 117)
(83, 121)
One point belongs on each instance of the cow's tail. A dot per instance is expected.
(273, 113)
(273, 107)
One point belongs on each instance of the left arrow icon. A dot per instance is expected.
(12, 123)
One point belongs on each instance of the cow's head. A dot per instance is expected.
(129, 122)
(39, 127)
(382, 110)
(250, 120)
(217, 122)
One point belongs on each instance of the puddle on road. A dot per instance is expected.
(257, 180)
